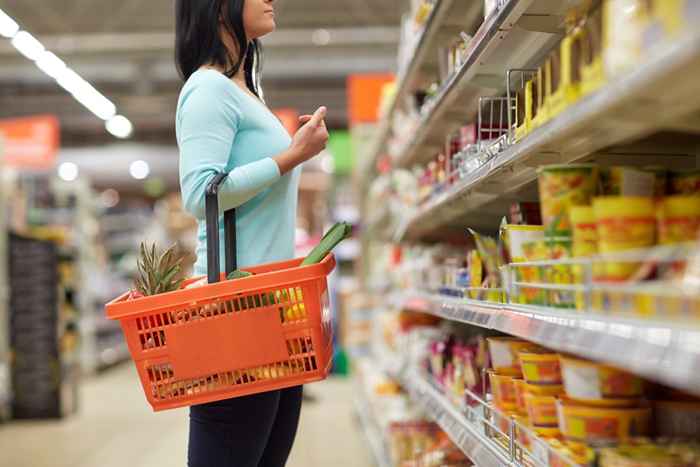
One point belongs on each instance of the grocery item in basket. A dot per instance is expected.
(686, 182)
(540, 366)
(503, 390)
(339, 232)
(678, 219)
(627, 181)
(598, 384)
(677, 419)
(623, 223)
(563, 186)
(504, 354)
(602, 426)
(541, 410)
(158, 271)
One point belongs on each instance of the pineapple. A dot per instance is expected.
(158, 272)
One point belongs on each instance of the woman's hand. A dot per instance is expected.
(309, 140)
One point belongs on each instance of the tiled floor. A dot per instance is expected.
(115, 428)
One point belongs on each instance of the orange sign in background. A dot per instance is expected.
(365, 95)
(289, 118)
(29, 143)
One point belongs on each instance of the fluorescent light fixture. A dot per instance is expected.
(139, 169)
(321, 37)
(119, 126)
(28, 45)
(50, 64)
(109, 197)
(68, 171)
(8, 27)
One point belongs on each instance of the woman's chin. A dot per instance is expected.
(265, 29)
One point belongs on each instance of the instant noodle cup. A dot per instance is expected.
(540, 366)
(581, 453)
(601, 426)
(561, 187)
(541, 410)
(504, 354)
(679, 219)
(627, 181)
(623, 223)
(601, 385)
(533, 251)
(544, 389)
(503, 390)
(560, 274)
(520, 386)
(584, 230)
(685, 182)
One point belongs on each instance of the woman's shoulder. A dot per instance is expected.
(209, 85)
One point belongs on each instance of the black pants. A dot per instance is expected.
(251, 431)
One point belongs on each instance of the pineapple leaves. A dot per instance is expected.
(158, 271)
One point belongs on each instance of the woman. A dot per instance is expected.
(224, 126)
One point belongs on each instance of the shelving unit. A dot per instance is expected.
(375, 439)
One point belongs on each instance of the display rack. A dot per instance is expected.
(625, 109)
(371, 430)
(5, 382)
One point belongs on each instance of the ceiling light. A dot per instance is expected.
(109, 197)
(321, 37)
(68, 171)
(139, 169)
(28, 45)
(50, 64)
(120, 126)
(8, 26)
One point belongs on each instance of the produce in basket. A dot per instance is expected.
(158, 272)
(339, 232)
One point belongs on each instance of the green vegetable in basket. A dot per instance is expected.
(335, 235)
(238, 274)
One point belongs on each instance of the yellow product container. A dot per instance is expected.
(627, 181)
(516, 236)
(476, 273)
(541, 410)
(686, 182)
(560, 274)
(540, 367)
(584, 230)
(547, 432)
(561, 187)
(540, 111)
(503, 390)
(597, 384)
(601, 426)
(623, 223)
(624, 23)
(504, 354)
(521, 435)
(520, 386)
(677, 419)
(642, 455)
(565, 77)
(679, 219)
(544, 389)
(670, 16)
(533, 251)
(592, 69)
(524, 101)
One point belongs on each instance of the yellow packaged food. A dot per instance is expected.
(541, 410)
(476, 273)
(601, 426)
(540, 367)
(592, 69)
(584, 231)
(678, 219)
(544, 389)
(504, 354)
(533, 251)
(624, 24)
(627, 181)
(520, 385)
(598, 384)
(644, 455)
(685, 182)
(539, 105)
(563, 186)
(565, 76)
(623, 223)
(503, 390)
(560, 248)
(516, 237)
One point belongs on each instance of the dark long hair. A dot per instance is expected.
(198, 43)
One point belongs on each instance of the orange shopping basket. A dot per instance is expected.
(230, 338)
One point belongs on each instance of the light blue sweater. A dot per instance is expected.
(221, 128)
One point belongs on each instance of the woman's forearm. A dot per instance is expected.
(287, 160)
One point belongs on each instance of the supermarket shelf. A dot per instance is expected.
(654, 96)
(661, 351)
(482, 451)
(371, 431)
(512, 37)
(447, 19)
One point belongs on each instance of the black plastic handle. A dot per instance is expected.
(211, 208)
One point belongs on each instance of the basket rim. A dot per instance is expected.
(270, 275)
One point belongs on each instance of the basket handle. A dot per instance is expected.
(211, 207)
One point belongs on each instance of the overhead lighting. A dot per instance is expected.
(321, 37)
(120, 126)
(8, 27)
(139, 169)
(50, 64)
(28, 45)
(109, 198)
(68, 171)
(68, 79)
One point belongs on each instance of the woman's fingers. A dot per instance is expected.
(318, 116)
(304, 118)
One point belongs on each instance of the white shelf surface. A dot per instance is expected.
(667, 352)
(374, 436)
(659, 94)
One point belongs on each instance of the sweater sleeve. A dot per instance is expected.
(209, 118)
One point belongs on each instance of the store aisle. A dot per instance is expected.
(115, 428)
